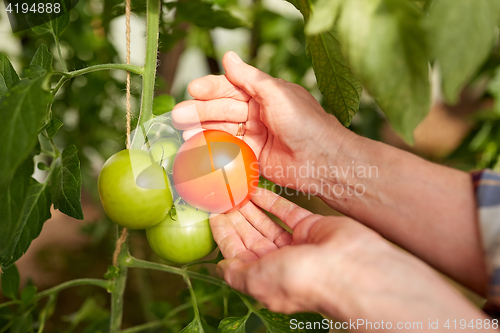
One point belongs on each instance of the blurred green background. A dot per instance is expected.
(270, 35)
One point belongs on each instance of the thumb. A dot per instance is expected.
(255, 82)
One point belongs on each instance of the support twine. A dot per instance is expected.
(124, 234)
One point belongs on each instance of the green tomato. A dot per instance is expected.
(134, 191)
(181, 244)
(163, 152)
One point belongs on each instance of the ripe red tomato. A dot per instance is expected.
(216, 172)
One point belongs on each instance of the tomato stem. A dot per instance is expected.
(131, 68)
(133, 262)
(68, 284)
(165, 321)
(148, 85)
(118, 288)
(149, 75)
(58, 46)
(194, 303)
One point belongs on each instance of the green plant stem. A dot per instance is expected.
(132, 262)
(176, 310)
(225, 300)
(252, 309)
(58, 45)
(74, 283)
(143, 327)
(130, 68)
(61, 82)
(102, 67)
(148, 85)
(247, 302)
(45, 313)
(193, 300)
(68, 284)
(119, 289)
(148, 81)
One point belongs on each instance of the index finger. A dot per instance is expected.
(216, 86)
(286, 211)
(230, 243)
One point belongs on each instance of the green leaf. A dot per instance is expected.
(232, 324)
(42, 58)
(494, 89)
(10, 282)
(52, 128)
(281, 323)
(204, 15)
(89, 311)
(28, 294)
(33, 71)
(25, 206)
(56, 26)
(22, 111)
(67, 183)
(40, 64)
(3, 86)
(462, 33)
(163, 104)
(385, 43)
(195, 327)
(323, 16)
(7, 71)
(340, 87)
(22, 324)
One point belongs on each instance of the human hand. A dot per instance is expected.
(408, 200)
(332, 265)
(285, 126)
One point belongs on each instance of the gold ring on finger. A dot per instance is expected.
(241, 130)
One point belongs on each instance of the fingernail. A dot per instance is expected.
(219, 271)
(234, 57)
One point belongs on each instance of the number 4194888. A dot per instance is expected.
(472, 324)
(39, 8)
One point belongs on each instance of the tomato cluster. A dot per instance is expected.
(212, 172)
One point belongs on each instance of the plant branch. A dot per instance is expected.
(130, 68)
(248, 304)
(164, 321)
(45, 313)
(73, 283)
(68, 284)
(148, 85)
(119, 287)
(58, 45)
(132, 262)
(102, 67)
(176, 310)
(194, 303)
(148, 81)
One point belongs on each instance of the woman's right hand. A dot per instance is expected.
(285, 125)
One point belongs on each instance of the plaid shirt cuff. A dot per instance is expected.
(487, 189)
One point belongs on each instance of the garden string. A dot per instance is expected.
(124, 234)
